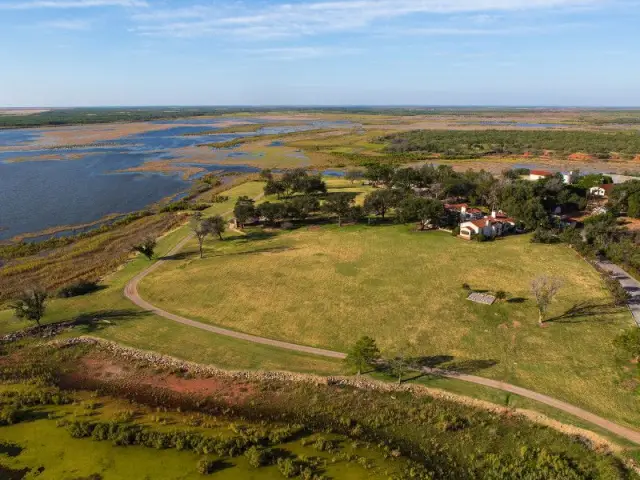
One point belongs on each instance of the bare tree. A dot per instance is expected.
(201, 227)
(544, 290)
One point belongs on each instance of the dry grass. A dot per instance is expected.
(88, 258)
(326, 287)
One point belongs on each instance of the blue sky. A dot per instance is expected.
(324, 52)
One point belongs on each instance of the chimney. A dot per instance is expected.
(488, 222)
(494, 214)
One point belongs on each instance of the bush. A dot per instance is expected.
(9, 415)
(620, 296)
(258, 457)
(481, 238)
(323, 445)
(81, 287)
(455, 232)
(206, 466)
(287, 226)
(288, 467)
(219, 199)
(543, 235)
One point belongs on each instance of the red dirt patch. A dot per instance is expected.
(109, 370)
(581, 157)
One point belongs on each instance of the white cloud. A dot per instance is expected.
(297, 19)
(35, 4)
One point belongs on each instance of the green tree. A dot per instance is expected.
(353, 175)
(30, 305)
(271, 212)
(379, 202)
(244, 210)
(364, 353)
(339, 204)
(629, 342)
(146, 248)
(303, 206)
(633, 205)
(218, 225)
(426, 211)
(379, 173)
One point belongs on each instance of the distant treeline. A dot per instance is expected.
(481, 143)
(80, 116)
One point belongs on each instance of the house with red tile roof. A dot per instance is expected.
(497, 225)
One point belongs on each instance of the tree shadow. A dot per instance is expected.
(10, 449)
(585, 311)
(517, 300)
(257, 251)
(179, 256)
(95, 321)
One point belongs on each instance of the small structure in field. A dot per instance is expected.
(482, 298)
(601, 191)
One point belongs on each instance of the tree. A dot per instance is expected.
(266, 174)
(273, 187)
(353, 175)
(380, 201)
(364, 353)
(30, 305)
(146, 248)
(633, 205)
(244, 210)
(544, 290)
(399, 365)
(339, 204)
(201, 227)
(218, 225)
(629, 342)
(303, 206)
(379, 173)
(427, 211)
(271, 211)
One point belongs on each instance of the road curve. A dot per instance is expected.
(131, 292)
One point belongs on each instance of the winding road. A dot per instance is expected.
(131, 292)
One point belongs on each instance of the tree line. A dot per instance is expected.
(481, 143)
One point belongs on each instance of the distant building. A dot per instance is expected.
(535, 175)
(601, 191)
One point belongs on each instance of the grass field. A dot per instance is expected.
(326, 286)
(119, 320)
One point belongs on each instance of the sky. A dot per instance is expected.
(319, 52)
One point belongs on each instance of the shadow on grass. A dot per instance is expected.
(585, 312)
(99, 320)
(435, 366)
(517, 300)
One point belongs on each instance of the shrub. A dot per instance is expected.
(258, 457)
(323, 445)
(288, 467)
(9, 415)
(501, 295)
(287, 226)
(620, 295)
(219, 199)
(455, 232)
(78, 288)
(206, 466)
(544, 235)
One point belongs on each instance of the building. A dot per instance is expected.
(466, 212)
(535, 175)
(569, 178)
(601, 191)
(497, 225)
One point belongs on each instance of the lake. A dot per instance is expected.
(39, 194)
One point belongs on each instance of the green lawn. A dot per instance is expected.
(328, 286)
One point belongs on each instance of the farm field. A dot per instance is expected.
(326, 286)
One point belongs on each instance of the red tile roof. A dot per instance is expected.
(542, 173)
